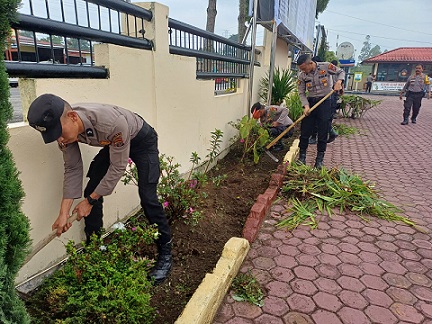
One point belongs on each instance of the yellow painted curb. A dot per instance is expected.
(205, 302)
(292, 153)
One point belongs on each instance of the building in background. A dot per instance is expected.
(393, 68)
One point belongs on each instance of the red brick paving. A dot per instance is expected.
(348, 270)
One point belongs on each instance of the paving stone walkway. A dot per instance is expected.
(348, 270)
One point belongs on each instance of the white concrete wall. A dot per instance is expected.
(159, 86)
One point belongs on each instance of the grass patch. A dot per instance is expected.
(310, 191)
(247, 288)
(345, 130)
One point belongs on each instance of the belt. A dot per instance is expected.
(315, 99)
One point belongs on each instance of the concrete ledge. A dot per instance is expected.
(205, 302)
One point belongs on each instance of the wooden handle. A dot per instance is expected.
(41, 244)
(297, 121)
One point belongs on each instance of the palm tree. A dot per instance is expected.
(211, 16)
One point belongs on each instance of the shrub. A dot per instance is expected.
(14, 226)
(294, 105)
(105, 284)
(283, 84)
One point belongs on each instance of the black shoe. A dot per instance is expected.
(319, 161)
(405, 122)
(414, 121)
(332, 136)
(163, 264)
(302, 158)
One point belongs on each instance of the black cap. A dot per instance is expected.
(44, 115)
(303, 58)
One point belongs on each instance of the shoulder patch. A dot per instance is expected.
(118, 140)
(105, 143)
(331, 67)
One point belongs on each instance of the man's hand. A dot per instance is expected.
(275, 124)
(306, 110)
(83, 209)
(61, 224)
(338, 85)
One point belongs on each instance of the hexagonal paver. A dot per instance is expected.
(329, 259)
(282, 274)
(297, 318)
(353, 299)
(278, 289)
(262, 276)
(386, 246)
(225, 313)
(424, 244)
(374, 282)
(402, 296)
(349, 258)
(426, 308)
(393, 267)
(353, 316)
(410, 255)
(389, 256)
(370, 257)
(305, 273)
(406, 313)
(288, 250)
(422, 293)
(264, 263)
(350, 248)
(308, 249)
(414, 266)
(304, 287)
(275, 306)
(246, 310)
(367, 247)
(419, 279)
(268, 252)
(377, 297)
(285, 261)
(322, 316)
(380, 314)
(372, 269)
(328, 285)
(330, 249)
(301, 303)
(397, 280)
(268, 319)
(328, 271)
(307, 260)
(351, 283)
(350, 270)
(327, 301)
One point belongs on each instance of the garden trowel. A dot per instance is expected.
(270, 145)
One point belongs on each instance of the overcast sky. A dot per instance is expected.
(390, 23)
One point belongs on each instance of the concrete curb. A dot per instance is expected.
(205, 302)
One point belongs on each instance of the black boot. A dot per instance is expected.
(414, 121)
(319, 160)
(405, 121)
(163, 264)
(302, 157)
(332, 135)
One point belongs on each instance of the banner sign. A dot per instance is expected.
(358, 76)
(388, 86)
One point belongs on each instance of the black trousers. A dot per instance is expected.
(368, 86)
(145, 154)
(320, 118)
(413, 99)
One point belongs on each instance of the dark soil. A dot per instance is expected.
(196, 249)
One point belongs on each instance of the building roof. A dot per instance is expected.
(403, 55)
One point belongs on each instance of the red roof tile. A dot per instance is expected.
(405, 55)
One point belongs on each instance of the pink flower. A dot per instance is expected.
(193, 183)
(191, 210)
(241, 140)
(130, 161)
(133, 229)
(165, 204)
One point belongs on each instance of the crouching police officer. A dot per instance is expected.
(315, 78)
(121, 134)
(275, 118)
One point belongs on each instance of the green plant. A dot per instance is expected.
(283, 84)
(246, 288)
(217, 181)
(310, 190)
(14, 226)
(342, 129)
(294, 105)
(353, 106)
(105, 284)
(253, 137)
(214, 150)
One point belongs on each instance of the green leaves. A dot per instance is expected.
(354, 106)
(247, 288)
(283, 84)
(310, 190)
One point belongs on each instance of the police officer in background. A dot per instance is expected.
(314, 82)
(415, 88)
(121, 134)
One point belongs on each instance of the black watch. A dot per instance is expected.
(91, 201)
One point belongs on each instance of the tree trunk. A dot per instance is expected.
(211, 16)
(243, 14)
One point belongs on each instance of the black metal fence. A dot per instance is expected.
(56, 38)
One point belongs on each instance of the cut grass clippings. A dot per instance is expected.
(345, 130)
(310, 191)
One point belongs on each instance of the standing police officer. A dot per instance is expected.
(121, 134)
(314, 82)
(415, 88)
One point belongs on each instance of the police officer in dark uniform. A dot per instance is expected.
(121, 134)
(314, 82)
(415, 88)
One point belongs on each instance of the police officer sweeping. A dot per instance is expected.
(314, 82)
(121, 134)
